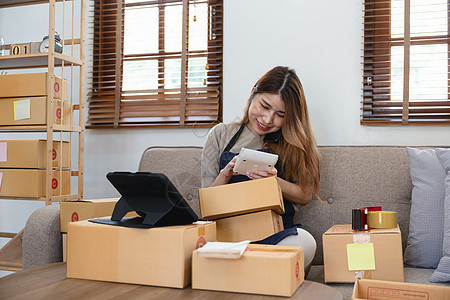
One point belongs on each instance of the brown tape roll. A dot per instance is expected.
(382, 219)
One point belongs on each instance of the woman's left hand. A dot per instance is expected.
(268, 172)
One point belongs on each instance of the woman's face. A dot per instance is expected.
(266, 113)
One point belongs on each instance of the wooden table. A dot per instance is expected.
(50, 282)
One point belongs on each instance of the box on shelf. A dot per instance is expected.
(380, 289)
(377, 251)
(32, 111)
(240, 198)
(262, 269)
(32, 84)
(158, 256)
(64, 246)
(32, 183)
(32, 154)
(252, 226)
(73, 211)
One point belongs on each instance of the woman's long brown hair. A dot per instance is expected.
(296, 147)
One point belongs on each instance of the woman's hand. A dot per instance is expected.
(225, 174)
(268, 172)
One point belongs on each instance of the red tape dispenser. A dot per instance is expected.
(359, 217)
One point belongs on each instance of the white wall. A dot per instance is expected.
(320, 39)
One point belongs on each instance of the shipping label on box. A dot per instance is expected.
(73, 211)
(32, 183)
(32, 85)
(252, 226)
(240, 198)
(380, 289)
(32, 154)
(371, 254)
(262, 269)
(160, 256)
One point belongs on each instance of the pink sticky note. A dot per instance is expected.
(3, 154)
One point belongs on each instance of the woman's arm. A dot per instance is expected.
(225, 174)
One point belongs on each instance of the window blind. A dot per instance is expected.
(156, 63)
(405, 63)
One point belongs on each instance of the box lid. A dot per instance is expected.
(347, 229)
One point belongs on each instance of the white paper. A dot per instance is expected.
(22, 109)
(223, 249)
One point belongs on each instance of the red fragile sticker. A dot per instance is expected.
(53, 154)
(297, 270)
(54, 183)
(56, 87)
(58, 113)
(201, 241)
(75, 217)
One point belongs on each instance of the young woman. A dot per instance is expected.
(276, 120)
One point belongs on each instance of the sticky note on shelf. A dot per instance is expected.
(360, 257)
(3, 152)
(22, 109)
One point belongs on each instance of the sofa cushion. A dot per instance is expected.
(442, 273)
(424, 246)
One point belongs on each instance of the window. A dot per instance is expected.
(156, 63)
(406, 62)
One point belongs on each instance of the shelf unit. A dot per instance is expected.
(71, 58)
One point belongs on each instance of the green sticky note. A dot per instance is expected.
(360, 257)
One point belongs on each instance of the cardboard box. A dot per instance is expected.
(32, 111)
(240, 198)
(64, 246)
(32, 85)
(32, 154)
(160, 256)
(262, 269)
(378, 289)
(73, 211)
(32, 183)
(384, 246)
(252, 226)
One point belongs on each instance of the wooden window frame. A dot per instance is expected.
(109, 106)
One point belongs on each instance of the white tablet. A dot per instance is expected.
(252, 160)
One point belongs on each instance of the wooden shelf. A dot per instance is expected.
(39, 128)
(11, 254)
(14, 3)
(35, 60)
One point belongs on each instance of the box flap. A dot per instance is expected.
(347, 229)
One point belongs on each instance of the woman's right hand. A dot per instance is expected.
(226, 173)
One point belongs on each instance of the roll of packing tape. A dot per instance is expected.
(382, 219)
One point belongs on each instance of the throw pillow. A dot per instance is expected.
(442, 273)
(426, 224)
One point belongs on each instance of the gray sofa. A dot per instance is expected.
(351, 176)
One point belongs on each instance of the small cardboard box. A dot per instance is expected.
(32, 183)
(252, 226)
(31, 85)
(73, 211)
(240, 198)
(160, 256)
(32, 154)
(380, 257)
(379, 289)
(262, 269)
(32, 111)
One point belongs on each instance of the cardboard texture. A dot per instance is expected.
(379, 289)
(73, 211)
(33, 112)
(64, 246)
(160, 256)
(262, 269)
(32, 154)
(252, 226)
(387, 253)
(240, 198)
(31, 84)
(31, 183)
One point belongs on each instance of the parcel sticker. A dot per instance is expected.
(22, 109)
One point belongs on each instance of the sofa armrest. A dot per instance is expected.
(41, 242)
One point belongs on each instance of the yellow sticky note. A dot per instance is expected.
(360, 257)
(22, 109)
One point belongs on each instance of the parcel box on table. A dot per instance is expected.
(32, 183)
(32, 84)
(240, 198)
(33, 154)
(73, 211)
(160, 256)
(380, 289)
(372, 254)
(33, 111)
(252, 226)
(262, 269)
